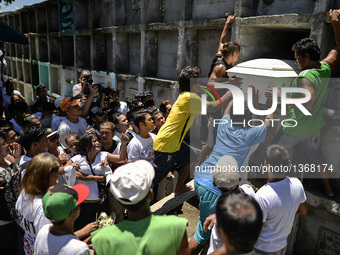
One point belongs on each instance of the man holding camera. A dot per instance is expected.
(82, 87)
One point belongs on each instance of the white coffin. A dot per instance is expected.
(265, 73)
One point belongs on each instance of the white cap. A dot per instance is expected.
(58, 101)
(131, 183)
(226, 174)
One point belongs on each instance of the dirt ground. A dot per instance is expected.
(191, 213)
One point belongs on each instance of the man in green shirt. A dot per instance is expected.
(141, 233)
(314, 76)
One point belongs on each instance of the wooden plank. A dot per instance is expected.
(171, 202)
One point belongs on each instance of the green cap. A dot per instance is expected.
(61, 200)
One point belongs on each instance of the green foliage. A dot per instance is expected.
(7, 2)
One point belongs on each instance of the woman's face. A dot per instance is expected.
(234, 56)
(96, 146)
(72, 144)
(4, 148)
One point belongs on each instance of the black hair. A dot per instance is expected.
(185, 75)
(115, 91)
(40, 87)
(241, 120)
(114, 117)
(154, 113)
(4, 132)
(229, 48)
(240, 217)
(72, 134)
(130, 115)
(307, 45)
(136, 206)
(29, 134)
(139, 117)
(48, 107)
(85, 143)
(162, 106)
(277, 155)
(110, 124)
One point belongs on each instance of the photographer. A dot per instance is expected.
(117, 105)
(82, 87)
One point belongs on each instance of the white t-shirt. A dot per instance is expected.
(141, 148)
(97, 169)
(215, 241)
(31, 218)
(279, 202)
(123, 108)
(66, 126)
(49, 244)
(22, 161)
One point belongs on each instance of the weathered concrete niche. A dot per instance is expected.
(121, 52)
(102, 48)
(132, 12)
(52, 16)
(268, 42)
(134, 53)
(208, 40)
(19, 51)
(82, 14)
(83, 52)
(24, 21)
(67, 51)
(32, 46)
(41, 17)
(43, 49)
(17, 22)
(160, 93)
(271, 7)
(54, 49)
(32, 21)
(167, 54)
(19, 70)
(211, 9)
(171, 10)
(26, 50)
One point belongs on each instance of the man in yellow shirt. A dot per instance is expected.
(169, 146)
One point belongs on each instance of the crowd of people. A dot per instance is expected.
(65, 161)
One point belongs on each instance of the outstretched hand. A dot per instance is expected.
(231, 19)
(334, 15)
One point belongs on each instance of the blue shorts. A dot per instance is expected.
(308, 145)
(164, 162)
(207, 206)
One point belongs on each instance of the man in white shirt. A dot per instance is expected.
(280, 200)
(141, 147)
(73, 122)
(119, 106)
(61, 206)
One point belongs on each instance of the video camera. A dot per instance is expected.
(141, 101)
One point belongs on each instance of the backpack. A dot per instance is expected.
(11, 184)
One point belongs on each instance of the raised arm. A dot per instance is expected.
(333, 55)
(212, 107)
(224, 35)
(113, 158)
